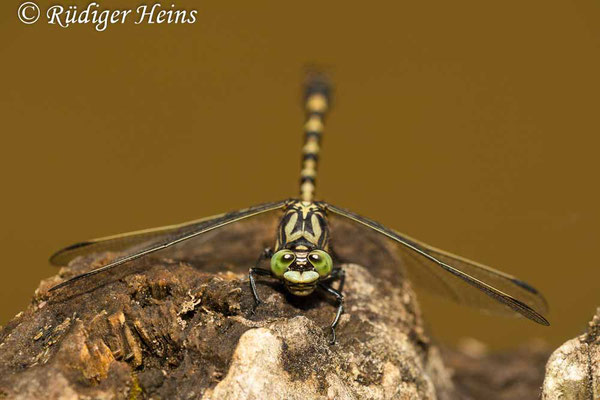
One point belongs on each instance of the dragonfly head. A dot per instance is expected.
(300, 270)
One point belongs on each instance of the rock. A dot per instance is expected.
(182, 328)
(375, 359)
(573, 370)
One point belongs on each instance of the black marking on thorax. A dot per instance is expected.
(304, 224)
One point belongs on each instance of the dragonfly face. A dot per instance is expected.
(301, 270)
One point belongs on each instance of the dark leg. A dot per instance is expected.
(340, 302)
(258, 271)
(342, 277)
(337, 274)
(253, 272)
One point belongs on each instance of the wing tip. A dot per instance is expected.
(541, 320)
(530, 313)
(533, 291)
(55, 259)
(58, 286)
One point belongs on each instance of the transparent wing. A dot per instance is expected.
(148, 241)
(454, 277)
(120, 242)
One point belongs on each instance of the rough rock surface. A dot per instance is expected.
(173, 329)
(573, 370)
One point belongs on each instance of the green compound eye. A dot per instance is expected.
(281, 261)
(321, 261)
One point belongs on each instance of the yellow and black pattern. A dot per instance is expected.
(303, 227)
(316, 105)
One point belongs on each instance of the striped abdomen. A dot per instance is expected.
(316, 104)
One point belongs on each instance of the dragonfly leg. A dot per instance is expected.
(340, 305)
(256, 270)
(253, 272)
(339, 275)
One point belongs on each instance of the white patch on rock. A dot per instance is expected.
(567, 372)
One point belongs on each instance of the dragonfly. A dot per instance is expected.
(303, 258)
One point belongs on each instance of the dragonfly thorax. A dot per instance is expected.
(303, 227)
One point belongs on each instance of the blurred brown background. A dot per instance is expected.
(470, 125)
